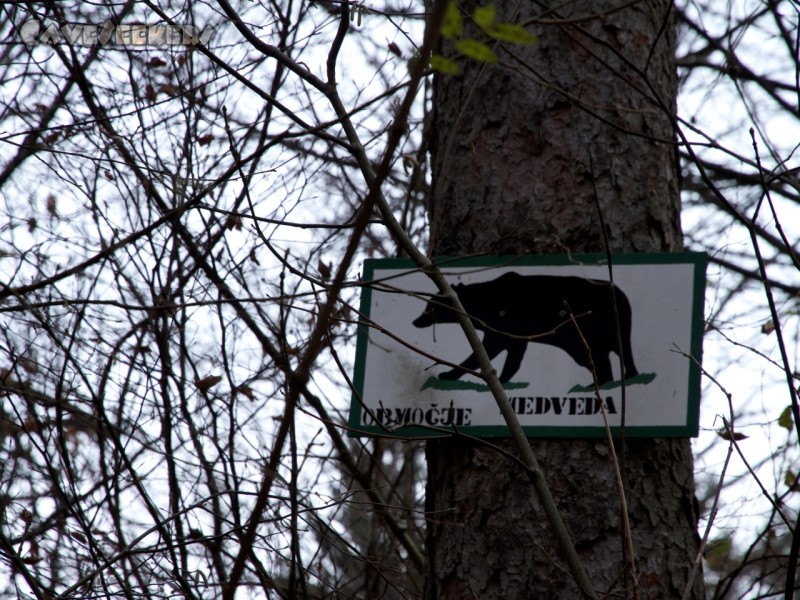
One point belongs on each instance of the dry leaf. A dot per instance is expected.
(77, 535)
(768, 327)
(156, 62)
(170, 89)
(247, 392)
(726, 435)
(233, 222)
(52, 210)
(33, 555)
(324, 269)
(206, 383)
(205, 139)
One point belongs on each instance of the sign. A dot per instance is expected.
(555, 329)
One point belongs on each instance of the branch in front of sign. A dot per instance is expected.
(489, 374)
(630, 556)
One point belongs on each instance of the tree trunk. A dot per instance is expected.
(521, 151)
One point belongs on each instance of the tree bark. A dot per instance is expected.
(523, 151)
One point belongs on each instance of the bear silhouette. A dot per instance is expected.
(515, 310)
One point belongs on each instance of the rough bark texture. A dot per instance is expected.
(512, 175)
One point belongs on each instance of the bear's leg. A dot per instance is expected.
(602, 364)
(516, 351)
(625, 331)
(602, 367)
(492, 343)
(630, 367)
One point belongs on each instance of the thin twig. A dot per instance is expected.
(627, 538)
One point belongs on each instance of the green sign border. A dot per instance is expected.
(690, 429)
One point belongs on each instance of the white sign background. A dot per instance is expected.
(663, 290)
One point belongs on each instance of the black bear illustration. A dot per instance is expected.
(514, 310)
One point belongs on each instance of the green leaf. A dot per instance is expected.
(444, 65)
(790, 479)
(718, 551)
(785, 420)
(452, 27)
(477, 50)
(509, 32)
(484, 15)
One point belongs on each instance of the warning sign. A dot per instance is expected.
(570, 340)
